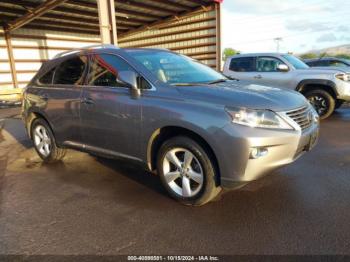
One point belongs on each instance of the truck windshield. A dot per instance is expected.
(296, 62)
(175, 68)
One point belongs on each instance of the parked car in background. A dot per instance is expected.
(199, 130)
(328, 62)
(326, 89)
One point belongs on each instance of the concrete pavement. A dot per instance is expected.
(88, 205)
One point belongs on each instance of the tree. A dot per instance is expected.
(344, 56)
(229, 52)
(309, 56)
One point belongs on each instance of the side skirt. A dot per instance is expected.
(102, 152)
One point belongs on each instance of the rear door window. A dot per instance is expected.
(242, 64)
(71, 71)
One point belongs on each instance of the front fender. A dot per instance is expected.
(322, 82)
(202, 119)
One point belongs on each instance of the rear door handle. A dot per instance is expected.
(44, 96)
(258, 77)
(88, 101)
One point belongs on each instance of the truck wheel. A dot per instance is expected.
(44, 142)
(187, 172)
(322, 101)
(338, 104)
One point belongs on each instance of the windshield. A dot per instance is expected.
(296, 62)
(174, 68)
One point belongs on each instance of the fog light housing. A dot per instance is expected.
(257, 152)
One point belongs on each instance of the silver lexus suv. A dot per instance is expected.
(198, 130)
(326, 88)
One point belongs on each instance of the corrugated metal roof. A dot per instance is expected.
(81, 15)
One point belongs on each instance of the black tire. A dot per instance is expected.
(322, 101)
(55, 153)
(338, 103)
(209, 188)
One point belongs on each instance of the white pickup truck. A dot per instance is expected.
(326, 89)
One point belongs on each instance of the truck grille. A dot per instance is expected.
(302, 116)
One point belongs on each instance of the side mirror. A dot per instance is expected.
(282, 68)
(130, 79)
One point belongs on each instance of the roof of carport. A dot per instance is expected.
(81, 15)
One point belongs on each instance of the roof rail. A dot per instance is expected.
(90, 47)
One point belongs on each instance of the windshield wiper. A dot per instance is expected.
(218, 81)
(232, 78)
(184, 84)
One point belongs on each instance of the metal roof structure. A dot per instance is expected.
(82, 15)
(33, 31)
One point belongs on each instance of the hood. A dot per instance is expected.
(326, 70)
(332, 68)
(240, 94)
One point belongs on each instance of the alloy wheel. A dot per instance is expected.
(183, 172)
(319, 103)
(42, 140)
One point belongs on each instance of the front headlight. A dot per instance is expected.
(257, 118)
(315, 116)
(342, 76)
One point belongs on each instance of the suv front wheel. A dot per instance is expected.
(322, 101)
(187, 172)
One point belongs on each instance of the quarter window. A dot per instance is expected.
(242, 64)
(46, 79)
(105, 69)
(267, 64)
(71, 71)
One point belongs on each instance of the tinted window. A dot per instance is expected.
(242, 64)
(267, 64)
(46, 79)
(318, 63)
(337, 63)
(104, 70)
(71, 71)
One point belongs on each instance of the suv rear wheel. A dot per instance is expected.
(322, 101)
(187, 172)
(44, 142)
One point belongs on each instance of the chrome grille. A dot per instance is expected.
(302, 116)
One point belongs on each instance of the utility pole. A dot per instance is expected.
(278, 40)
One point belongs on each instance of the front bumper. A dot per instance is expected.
(343, 90)
(283, 147)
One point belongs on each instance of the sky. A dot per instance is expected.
(303, 25)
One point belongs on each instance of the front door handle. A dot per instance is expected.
(258, 77)
(87, 101)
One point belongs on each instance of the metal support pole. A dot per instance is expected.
(108, 25)
(218, 36)
(11, 59)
